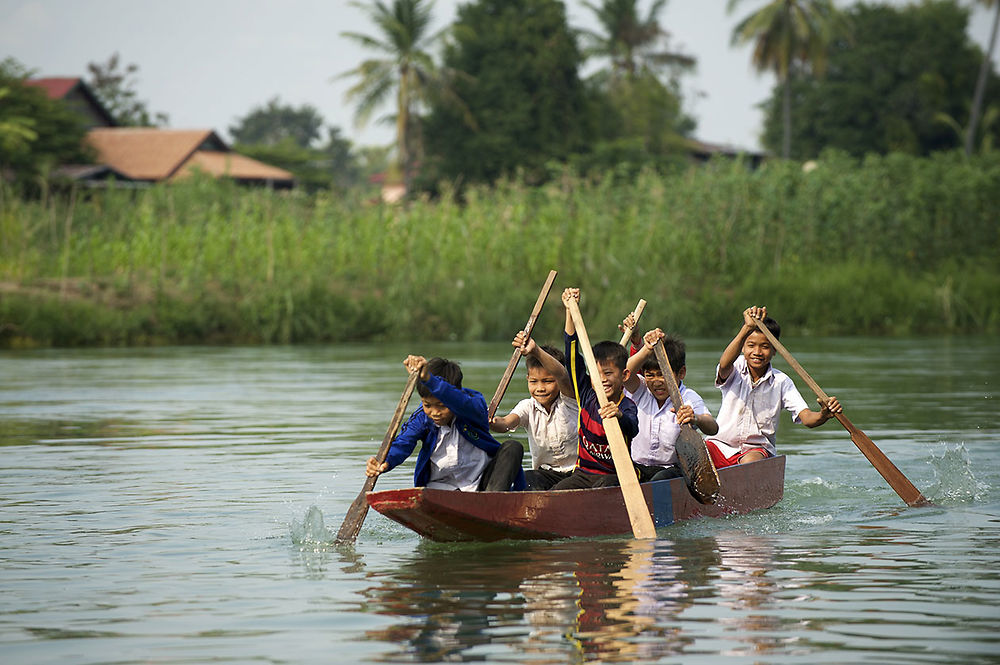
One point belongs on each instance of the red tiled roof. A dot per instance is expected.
(55, 88)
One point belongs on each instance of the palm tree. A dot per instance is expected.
(406, 68)
(786, 33)
(629, 41)
(977, 98)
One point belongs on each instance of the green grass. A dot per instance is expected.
(889, 245)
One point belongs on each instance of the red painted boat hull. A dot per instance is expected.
(486, 516)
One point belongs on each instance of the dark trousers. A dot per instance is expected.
(543, 479)
(648, 473)
(581, 480)
(502, 470)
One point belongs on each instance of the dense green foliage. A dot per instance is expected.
(789, 35)
(287, 137)
(36, 133)
(892, 86)
(276, 123)
(521, 89)
(891, 245)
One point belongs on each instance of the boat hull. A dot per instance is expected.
(444, 515)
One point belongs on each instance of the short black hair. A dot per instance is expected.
(531, 362)
(446, 369)
(611, 352)
(676, 355)
(773, 326)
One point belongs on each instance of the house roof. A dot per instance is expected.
(233, 165)
(145, 153)
(65, 87)
(56, 87)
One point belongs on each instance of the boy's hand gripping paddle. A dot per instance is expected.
(897, 481)
(359, 509)
(635, 502)
(692, 453)
(636, 315)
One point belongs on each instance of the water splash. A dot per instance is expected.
(311, 534)
(953, 479)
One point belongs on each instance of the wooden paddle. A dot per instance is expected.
(692, 453)
(636, 314)
(900, 483)
(359, 509)
(516, 356)
(635, 503)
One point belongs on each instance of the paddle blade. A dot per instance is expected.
(906, 490)
(356, 515)
(699, 473)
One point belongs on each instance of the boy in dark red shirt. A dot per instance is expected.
(594, 466)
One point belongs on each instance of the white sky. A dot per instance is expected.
(208, 62)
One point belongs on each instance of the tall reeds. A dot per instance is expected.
(892, 244)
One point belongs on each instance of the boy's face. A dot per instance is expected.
(657, 383)
(542, 386)
(437, 411)
(758, 353)
(612, 378)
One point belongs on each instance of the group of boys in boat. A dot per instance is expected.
(563, 416)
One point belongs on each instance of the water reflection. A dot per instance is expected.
(576, 601)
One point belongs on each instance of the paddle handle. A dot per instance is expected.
(516, 356)
(636, 314)
(355, 516)
(668, 373)
(635, 503)
(889, 471)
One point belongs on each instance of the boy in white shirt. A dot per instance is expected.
(549, 416)
(660, 419)
(753, 394)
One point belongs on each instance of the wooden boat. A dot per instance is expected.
(485, 516)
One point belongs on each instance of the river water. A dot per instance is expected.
(178, 505)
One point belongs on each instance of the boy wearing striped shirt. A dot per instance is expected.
(594, 466)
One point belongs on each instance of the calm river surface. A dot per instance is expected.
(178, 505)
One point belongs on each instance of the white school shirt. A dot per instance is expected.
(456, 464)
(750, 411)
(658, 428)
(552, 437)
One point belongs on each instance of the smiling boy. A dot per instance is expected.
(594, 465)
(458, 452)
(753, 394)
(660, 419)
(549, 416)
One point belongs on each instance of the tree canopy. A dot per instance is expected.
(405, 69)
(115, 87)
(524, 97)
(789, 34)
(36, 133)
(276, 123)
(888, 88)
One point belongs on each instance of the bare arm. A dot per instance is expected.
(568, 294)
(528, 347)
(812, 418)
(635, 362)
(732, 352)
(505, 423)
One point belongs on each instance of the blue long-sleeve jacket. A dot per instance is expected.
(469, 407)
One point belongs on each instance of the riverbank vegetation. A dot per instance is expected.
(887, 245)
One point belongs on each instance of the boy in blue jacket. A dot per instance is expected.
(458, 451)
